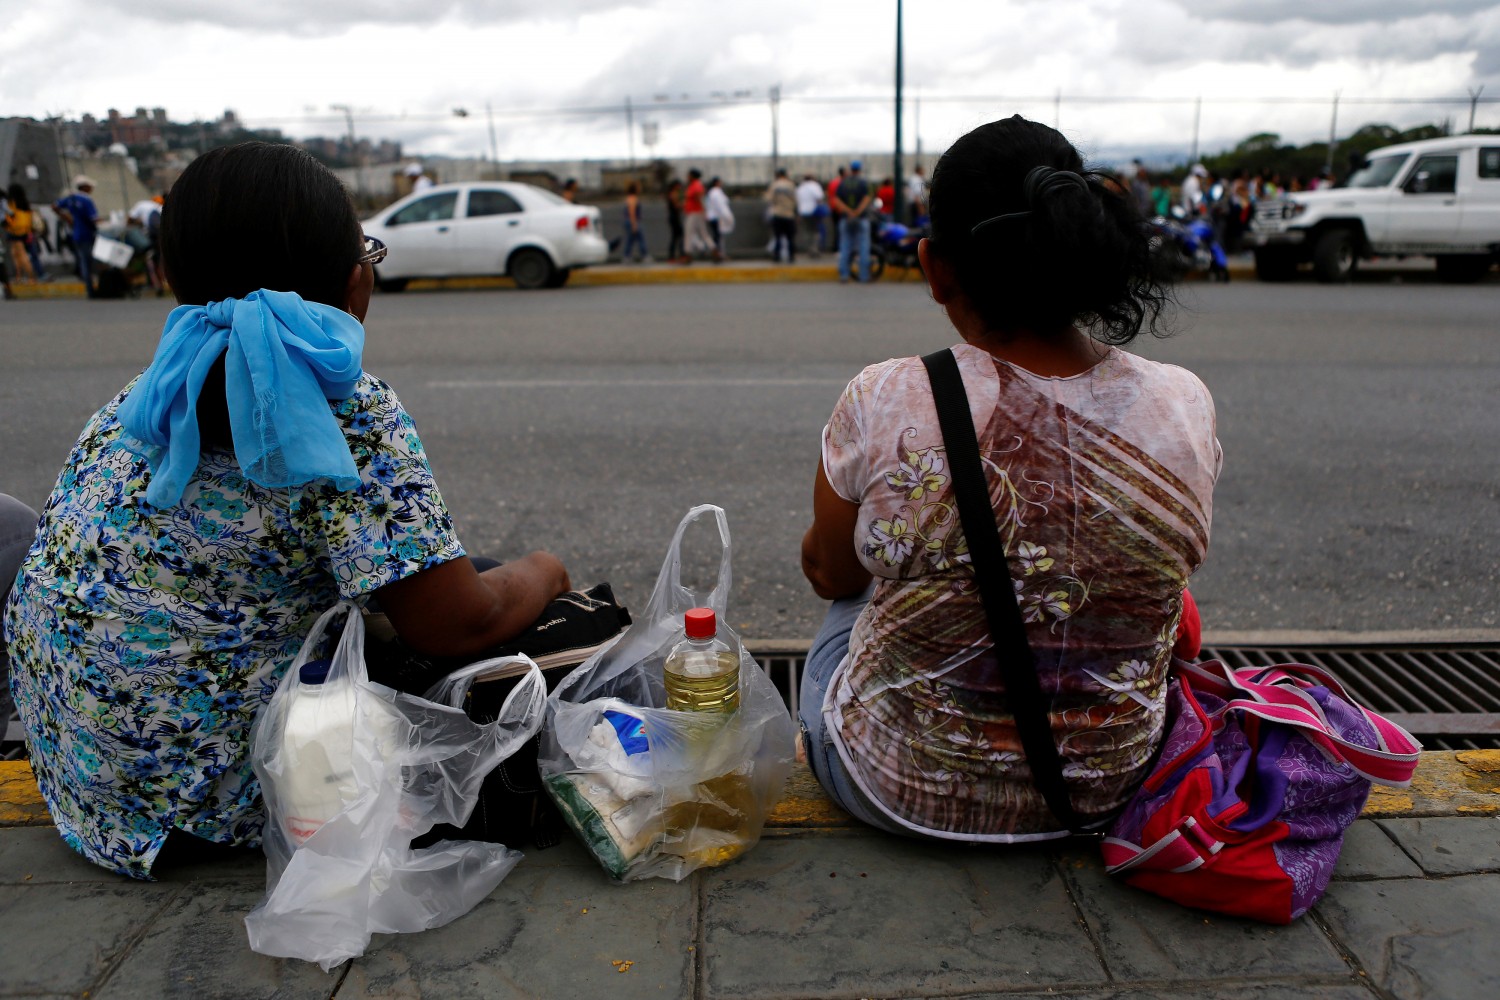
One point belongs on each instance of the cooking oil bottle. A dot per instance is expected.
(703, 670)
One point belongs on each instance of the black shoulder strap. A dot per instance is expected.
(1012, 651)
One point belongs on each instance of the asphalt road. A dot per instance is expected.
(1361, 487)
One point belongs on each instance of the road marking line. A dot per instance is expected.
(647, 383)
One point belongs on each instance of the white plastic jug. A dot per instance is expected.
(318, 744)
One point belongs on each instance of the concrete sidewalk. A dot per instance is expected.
(821, 908)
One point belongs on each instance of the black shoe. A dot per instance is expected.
(571, 629)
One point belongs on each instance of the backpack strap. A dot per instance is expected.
(1013, 652)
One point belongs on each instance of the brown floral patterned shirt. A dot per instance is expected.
(1102, 485)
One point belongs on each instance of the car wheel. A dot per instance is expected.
(390, 284)
(531, 268)
(559, 277)
(1273, 265)
(1463, 268)
(1334, 259)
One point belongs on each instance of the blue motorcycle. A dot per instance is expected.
(1187, 244)
(896, 244)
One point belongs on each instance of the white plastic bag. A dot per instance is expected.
(654, 792)
(332, 881)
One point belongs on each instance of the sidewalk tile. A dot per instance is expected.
(545, 932)
(1301, 989)
(1145, 937)
(870, 915)
(33, 855)
(198, 948)
(1369, 853)
(60, 938)
(1450, 845)
(1421, 938)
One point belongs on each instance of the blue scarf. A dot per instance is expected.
(284, 360)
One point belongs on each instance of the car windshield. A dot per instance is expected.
(1378, 172)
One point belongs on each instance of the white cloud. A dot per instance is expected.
(405, 64)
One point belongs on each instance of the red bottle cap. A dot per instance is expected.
(700, 623)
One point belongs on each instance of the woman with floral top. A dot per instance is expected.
(1100, 465)
(251, 477)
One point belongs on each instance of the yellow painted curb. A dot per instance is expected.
(1448, 783)
(48, 290)
(20, 802)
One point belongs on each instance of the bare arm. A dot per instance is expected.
(453, 610)
(828, 558)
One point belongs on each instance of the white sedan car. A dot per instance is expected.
(483, 228)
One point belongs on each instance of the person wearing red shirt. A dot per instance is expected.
(886, 194)
(694, 221)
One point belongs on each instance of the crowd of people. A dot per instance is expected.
(254, 474)
(28, 237)
(836, 217)
(1228, 201)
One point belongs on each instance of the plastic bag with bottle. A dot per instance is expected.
(351, 772)
(652, 791)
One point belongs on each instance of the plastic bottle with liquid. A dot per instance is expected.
(713, 824)
(702, 671)
(318, 747)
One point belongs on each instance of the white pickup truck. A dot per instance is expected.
(1438, 197)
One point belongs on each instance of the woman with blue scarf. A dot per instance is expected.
(251, 477)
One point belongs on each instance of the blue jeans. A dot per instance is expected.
(84, 249)
(634, 238)
(852, 231)
(823, 658)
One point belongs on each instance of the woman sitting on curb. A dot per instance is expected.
(1100, 466)
(251, 477)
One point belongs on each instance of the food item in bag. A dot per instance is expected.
(318, 746)
(702, 672)
(616, 812)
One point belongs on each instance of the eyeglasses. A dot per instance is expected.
(375, 252)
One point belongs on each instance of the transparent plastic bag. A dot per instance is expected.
(654, 792)
(398, 764)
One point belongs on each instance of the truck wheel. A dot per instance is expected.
(1275, 265)
(1463, 268)
(531, 268)
(1333, 258)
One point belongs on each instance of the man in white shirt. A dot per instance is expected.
(419, 179)
(1192, 189)
(916, 194)
(812, 209)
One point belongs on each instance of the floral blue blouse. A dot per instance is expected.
(144, 641)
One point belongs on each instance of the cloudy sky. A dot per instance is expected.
(403, 65)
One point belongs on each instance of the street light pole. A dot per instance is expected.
(898, 182)
(775, 128)
(630, 129)
(494, 148)
(359, 174)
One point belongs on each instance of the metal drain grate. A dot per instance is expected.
(1448, 696)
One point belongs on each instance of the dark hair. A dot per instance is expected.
(258, 215)
(1070, 248)
(17, 195)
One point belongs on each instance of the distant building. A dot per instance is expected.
(140, 129)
